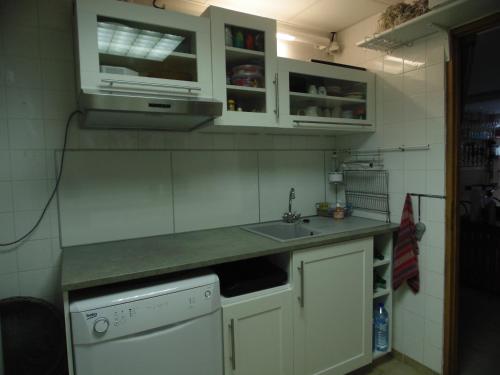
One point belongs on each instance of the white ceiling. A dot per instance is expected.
(320, 16)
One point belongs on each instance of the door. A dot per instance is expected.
(130, 47)
(183, 348)
(333, 308)
(244, 60)
(258, 336)
(321, 96)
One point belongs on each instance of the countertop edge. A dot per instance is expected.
(286, 247)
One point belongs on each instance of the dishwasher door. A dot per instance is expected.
(188, 348)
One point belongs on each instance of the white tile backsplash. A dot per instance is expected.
(8, 262)
(24, 103)
(281, 170)
(214, 189)
(21, 41)
(22, 72)
(28, 164)
(36, 254)
(9, 285)
(25, 220)
(106, 195)
(26, 133)
(30, 194)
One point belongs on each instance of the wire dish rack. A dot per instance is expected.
(368, 190)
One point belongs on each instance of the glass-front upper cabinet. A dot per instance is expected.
(322, 96)
(244, 64)
(130, 47)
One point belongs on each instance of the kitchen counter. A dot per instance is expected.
(100, 264)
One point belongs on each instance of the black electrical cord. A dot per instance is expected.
(58, 180)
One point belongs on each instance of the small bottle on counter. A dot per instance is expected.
(339, 212)
(231, 105)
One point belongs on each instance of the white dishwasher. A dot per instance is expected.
(170, 328)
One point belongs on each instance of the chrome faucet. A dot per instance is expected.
(291, 217)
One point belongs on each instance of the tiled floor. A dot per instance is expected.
(390, 367)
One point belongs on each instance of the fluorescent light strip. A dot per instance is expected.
(120, 40)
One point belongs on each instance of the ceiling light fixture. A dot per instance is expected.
(121, 40)
(284, 36)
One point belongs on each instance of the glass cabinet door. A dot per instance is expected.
(135, 47)
(245, 67)
(128, 48)
(326, 96)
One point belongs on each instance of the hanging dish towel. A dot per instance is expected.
(406, 251)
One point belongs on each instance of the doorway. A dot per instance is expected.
(472, 297)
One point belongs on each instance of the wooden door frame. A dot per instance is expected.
(452, 226)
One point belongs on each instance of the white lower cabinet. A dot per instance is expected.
(332, 308)
(258, 335)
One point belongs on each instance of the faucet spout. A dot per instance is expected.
(291, 217)
(291, 197)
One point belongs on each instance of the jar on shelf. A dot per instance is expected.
(228, 32)
(249, 41)
(231, 105)
(239, 39)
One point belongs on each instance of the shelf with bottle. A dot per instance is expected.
(244, 101)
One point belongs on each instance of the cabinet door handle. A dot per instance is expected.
(233, 345)
(276, 96)
(301, 272)
(111, 82)
(322, 124)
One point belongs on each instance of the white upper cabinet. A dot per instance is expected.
(314, 96)
(244, 61)
(135, 48)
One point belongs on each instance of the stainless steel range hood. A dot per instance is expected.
(116, 110)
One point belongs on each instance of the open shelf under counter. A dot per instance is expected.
(381, 293)
(380, 263)
(337, 99)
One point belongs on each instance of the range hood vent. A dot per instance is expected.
(114, 110)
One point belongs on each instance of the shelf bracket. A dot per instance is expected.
(446, 32)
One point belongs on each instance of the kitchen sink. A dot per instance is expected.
(282, 232)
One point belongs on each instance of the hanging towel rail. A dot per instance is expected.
(427, 196)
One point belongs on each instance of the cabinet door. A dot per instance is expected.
(137, 48)
(258, 336)
(317, 96)
(333, 308)
(244, 61)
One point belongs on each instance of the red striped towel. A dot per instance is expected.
(405, 266)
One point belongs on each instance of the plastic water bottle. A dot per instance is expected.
(381, 328)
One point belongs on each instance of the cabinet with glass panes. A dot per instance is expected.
(244, 62)
(130, 47)
(324, 96)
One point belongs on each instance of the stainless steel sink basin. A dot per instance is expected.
(282, 232)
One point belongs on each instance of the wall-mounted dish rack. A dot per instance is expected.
(368, 190)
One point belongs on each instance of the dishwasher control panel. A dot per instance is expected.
(144, 314)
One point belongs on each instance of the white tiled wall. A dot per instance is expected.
(36, 96)
(410, 111)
